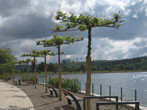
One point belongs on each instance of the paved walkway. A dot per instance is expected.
(13, 98)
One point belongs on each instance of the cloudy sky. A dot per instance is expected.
(22, 22)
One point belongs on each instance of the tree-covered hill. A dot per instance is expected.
(134, 64)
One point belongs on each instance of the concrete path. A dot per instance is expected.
(13, 98)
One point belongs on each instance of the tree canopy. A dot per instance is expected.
(20, 61)
(27, 60)
(82, 22)
(42, 53)
(6, 60)
(56, 40)
(34, 53)
(6, 56)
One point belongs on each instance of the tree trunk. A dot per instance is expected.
(35, 73)
(45, 70)
(7, 71)
(13, 69)
(27, 67)
(27, 73)
(59, 75)
(20, 69)
(88, 69)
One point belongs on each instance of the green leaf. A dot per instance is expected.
(84, 22)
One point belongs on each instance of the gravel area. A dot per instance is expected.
(44, 101)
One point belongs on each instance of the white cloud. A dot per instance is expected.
(104, 48)
(44, 7)
(1, 21)
(135, 16)
(89, 6)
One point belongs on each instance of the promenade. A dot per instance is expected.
(13, 98)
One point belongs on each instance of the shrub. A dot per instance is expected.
(28, 77)
(5, 76)
(54, 82)
(69, 84)
(24, 78)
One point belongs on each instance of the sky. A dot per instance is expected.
(22, 22)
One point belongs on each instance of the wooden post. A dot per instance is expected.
(101, 90)
(135, 95)
(93, 89)
(110, 92)
(121, 94)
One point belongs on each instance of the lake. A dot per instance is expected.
(128, 81)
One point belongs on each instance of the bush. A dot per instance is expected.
(54, 82)
(27, 77)
(24, 78)
(5, 76)
(69, 84)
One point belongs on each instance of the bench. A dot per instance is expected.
(24, 82)
(17, 82)
(31, 82)
(70, 97)
(98, 97)
(117, 103)
(52, 90)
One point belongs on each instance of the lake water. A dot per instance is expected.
(127, 81)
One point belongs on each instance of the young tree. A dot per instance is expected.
(20, 65)
(6, 60)
(82, 23)
(33, 54)
(52, 67)
(44, 53)
(27, 62)
(14, 66)
(6, 56)
(57, 41)
(40, 67)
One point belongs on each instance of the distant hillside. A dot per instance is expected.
(137, 60)
(134, 64)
